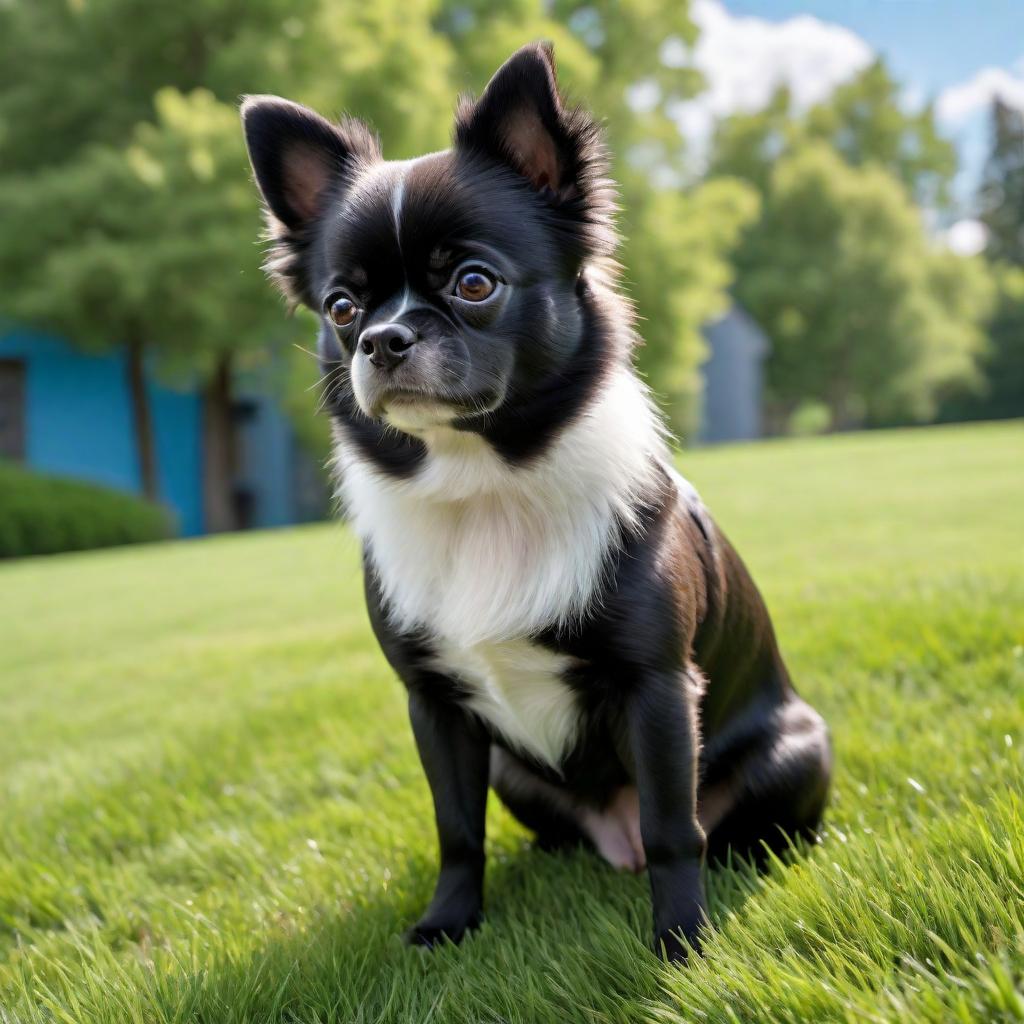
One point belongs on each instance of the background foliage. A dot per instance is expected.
(129, 217)
(43, 515)
(1001, 203)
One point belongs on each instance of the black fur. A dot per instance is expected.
(683, 692)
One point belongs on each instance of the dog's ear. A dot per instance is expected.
(520, 120)
(298, 156)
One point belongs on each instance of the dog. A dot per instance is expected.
(571, 626)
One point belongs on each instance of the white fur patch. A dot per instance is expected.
(517, 688)
(397, 197)
(482, 555)
(475, 550)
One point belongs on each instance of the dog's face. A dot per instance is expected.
(447, 285)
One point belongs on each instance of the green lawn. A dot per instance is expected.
(212, 810)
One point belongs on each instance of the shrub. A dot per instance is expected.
(809, 418)
(42, 515)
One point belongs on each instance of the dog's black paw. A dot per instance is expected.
(428, 934)
(678, 943)
(676, 946)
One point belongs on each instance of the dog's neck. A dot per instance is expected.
(472, 549)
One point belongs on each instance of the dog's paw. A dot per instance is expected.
(677, 944)
(677, 947)
(428, 934)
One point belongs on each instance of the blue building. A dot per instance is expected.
(70, 414)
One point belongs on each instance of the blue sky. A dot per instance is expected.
(957, 53)
(931, 44)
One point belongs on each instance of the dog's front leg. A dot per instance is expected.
(662, 728)
(455, 753)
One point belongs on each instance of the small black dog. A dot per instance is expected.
(572, 628)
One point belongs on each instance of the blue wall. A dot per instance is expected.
(265, 463)
(78, 412)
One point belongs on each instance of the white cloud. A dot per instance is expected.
(960, 102)
(962, 111)
(744, 60)
(966, 237)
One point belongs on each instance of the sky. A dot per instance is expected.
(957, 53)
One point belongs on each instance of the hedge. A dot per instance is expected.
(41, 515)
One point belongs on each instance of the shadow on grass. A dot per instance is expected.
(565, 939)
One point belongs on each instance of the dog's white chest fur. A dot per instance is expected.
(518, 687)
(481, 555)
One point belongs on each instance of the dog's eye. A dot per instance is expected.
(342, 310)
(475, 285)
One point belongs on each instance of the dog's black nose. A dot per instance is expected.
(387, 344)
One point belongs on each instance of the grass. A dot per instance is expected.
(212, 811)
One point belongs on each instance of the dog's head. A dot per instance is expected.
(448, 286)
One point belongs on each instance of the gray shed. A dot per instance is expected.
(733, 378)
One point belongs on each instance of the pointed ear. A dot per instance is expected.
(521, 121)
(297, 155)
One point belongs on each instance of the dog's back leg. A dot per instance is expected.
(561, 820)
(775, 791)
(543, 807)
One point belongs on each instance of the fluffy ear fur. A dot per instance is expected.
(297, 155)
(521, 121)
(298, 158)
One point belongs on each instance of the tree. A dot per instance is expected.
(865, 313)
(866, 121)
(1001, 210)
(1001, 194)
(1001, 202)
(141, 244)
(999, 393)
(81, 196)
(129, 217)
(863, 120)
(1003, 390)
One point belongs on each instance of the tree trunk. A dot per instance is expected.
(844, 418)
(219, 451)
(142, 419)
(776, 416)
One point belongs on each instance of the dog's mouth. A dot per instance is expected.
(416, 411)
(413, 410)
(392, 396)
(424, 393)
(383, 399)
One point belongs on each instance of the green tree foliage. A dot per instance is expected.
(75, 73)
(1000, 391)
(1001, 195)
(868, 318)
(1000, 203)
(128, 213)
(678, 241)
(1001, 200)
(865, 312)
(1004, 368)
(129, 217)
(141, 240)
(140, 244)
(863, 120)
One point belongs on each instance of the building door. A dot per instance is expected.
(12, 409)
